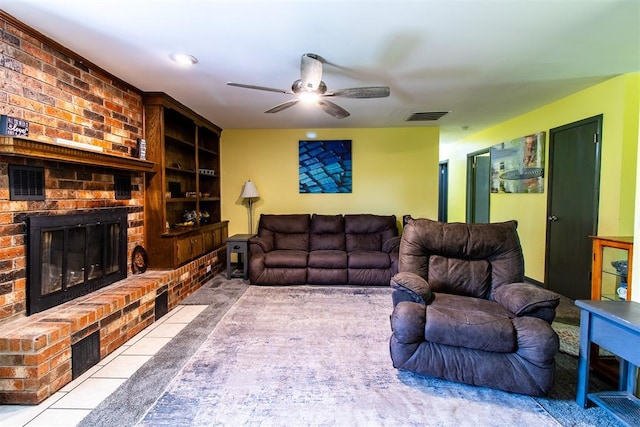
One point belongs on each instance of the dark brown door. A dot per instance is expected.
(572, 209)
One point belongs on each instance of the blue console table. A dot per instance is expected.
(614, 325)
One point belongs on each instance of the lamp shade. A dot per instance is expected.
(249, 191)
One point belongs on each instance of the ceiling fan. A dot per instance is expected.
(310, 87)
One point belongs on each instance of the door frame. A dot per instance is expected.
(596, 190)
(443, 191)
(471, 175)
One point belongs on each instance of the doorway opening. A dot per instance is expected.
(478, 186)
(443, 191)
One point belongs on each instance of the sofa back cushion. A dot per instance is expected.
(366, 232)
(327, 233)
(285, 231)
(463, 259)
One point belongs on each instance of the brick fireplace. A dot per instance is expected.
(66, 98)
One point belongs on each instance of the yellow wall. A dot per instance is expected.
(395, 171)
(635, 277)
(618, 100)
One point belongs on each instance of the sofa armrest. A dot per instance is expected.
(526, 299)
(391, 245)
(415, 287)
(259, 244)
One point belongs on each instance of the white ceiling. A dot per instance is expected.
(483, 61)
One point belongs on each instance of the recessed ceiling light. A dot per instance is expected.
(184, 58)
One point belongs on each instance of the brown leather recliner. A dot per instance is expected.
(462, 312)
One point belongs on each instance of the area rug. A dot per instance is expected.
(318, 356)
(569, 337)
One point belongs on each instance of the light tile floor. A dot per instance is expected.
(75, 400)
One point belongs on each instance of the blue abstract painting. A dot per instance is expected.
(325, 166)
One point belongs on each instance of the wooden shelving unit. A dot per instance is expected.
(182, 197)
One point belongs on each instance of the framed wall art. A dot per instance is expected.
(325, 166)
(517, 166)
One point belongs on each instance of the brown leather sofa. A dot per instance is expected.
(356, 249)
(462, 312)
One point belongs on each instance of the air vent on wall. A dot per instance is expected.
(122, 187)
(26, 183)
(426, 116)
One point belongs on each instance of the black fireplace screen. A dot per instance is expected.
(72, 255)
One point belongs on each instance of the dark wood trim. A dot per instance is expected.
(30, 148)
(161, 98)
(65, 51)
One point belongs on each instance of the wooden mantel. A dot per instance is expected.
(24, 147)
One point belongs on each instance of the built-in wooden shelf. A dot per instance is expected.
(24, 147)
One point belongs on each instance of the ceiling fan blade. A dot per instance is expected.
(268, 89)
(333, 109)
(361, 92)
(283, 106)
(310, 72)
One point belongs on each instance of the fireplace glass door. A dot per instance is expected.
(72, 255)
(52, 250)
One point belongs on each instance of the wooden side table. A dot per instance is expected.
(238, 244)
(614, 325)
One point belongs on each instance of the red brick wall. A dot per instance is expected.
(61, 96)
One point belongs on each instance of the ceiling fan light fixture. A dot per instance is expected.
(309, 97)
(184, 59)
(310, 89)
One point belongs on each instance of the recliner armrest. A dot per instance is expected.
(408, 320)
(258, 243)
(415, 286)
(527, 299)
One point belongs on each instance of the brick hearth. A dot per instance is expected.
(35, 351)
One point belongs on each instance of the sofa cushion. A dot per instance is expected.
(459, 276)
(319, 242)
(327, 224)
(285, 231)
(369, 259)
(327, 232)
(327, 276)
(328, 259)
(291, 241)
(470, 322)
(286, 259)
(364, 242)
(366, 232)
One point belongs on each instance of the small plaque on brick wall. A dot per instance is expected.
(13, 126)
